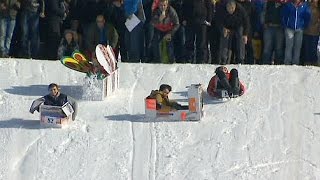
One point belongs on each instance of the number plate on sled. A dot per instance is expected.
(51, 120)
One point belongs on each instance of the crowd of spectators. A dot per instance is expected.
(183, 31)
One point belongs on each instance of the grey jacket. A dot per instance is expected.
(12, 7)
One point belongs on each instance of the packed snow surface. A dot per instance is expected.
(271, 132)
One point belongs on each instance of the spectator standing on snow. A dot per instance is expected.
(55, 13)
(8, 13)
(101, 33)
(295, 18)
(311, 36)
(273, 33)
(31, 10)
(135, 38)
(166, 22)
(197, 16)
(234, 30)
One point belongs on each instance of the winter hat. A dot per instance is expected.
(221, 68)
(68, 31)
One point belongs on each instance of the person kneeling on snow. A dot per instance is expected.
(224, 81)
(163, 102)
(54, 98)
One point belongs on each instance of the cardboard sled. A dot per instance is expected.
(194, 113)
(56, 116)
(98, 89)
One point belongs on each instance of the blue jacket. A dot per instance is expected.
(131, 6)
(295, 17)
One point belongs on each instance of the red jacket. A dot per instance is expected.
(169, 24)
(212, 87)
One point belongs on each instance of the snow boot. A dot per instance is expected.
(234, 83)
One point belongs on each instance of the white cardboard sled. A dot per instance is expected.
(194, 113)
(98, 89)
(56, 116)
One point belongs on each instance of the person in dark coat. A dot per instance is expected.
(8, 13)
(31, 10)
(54, 98)
(234, 29)
(273, 33)
(135, 39)
(68, 44)
(197, 15)
(55, 13)
(102, 33)
(252, 15)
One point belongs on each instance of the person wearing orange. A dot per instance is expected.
(162, 98)
(225, 81)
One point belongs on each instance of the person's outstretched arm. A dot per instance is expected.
(36, 104)
(74, 105)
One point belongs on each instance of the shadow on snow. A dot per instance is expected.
(74, 91)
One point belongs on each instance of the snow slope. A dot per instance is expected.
(272, 132)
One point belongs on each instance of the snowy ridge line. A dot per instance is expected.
(246, 166)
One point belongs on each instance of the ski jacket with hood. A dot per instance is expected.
(295, 17)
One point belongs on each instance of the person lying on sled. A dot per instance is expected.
(225, 83)
(163, 102)
(54, 98)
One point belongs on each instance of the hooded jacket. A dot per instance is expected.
(295, 17)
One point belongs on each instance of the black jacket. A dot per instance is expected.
(272, 13)
(251, 13)
(236, 20)
(54, 9)
(197, 11)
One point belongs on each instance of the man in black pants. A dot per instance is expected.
(196, 17)
(55, 12)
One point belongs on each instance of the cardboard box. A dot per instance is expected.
(56, 116)
(194, 113)
(97, 90)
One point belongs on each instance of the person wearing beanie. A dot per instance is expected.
(227, 81)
